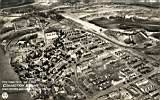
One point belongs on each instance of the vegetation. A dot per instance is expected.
(12, 35)
(6, 29)
(87, 1)
(2, 22)
(71, 2)
(156, 35)
(127, 23)
(28, 37)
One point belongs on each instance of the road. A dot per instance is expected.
(96, 30)
(121, 85)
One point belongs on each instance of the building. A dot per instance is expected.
(50, 37)
(146, 86)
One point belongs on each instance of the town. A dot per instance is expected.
(98, 51)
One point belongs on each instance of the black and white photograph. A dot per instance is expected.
(79, 49)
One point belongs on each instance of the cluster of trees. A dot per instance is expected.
(2, 22)
(12, 35)
(72, 2)
(88, 1)
(156, 35)
(28, 37)
(24, 9)
(6, 29)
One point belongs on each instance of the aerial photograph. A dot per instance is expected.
(79, 49)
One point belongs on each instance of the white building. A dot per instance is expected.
(51, 36)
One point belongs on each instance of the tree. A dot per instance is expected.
(2, 22)
(72, 2)
(64, 1)
(87, 1)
